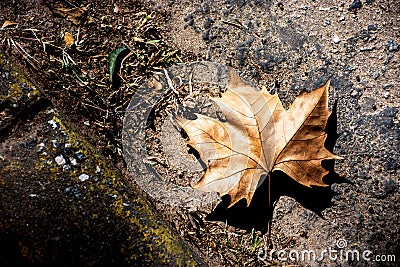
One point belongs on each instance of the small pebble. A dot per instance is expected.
(206, 35)
(380, 194)
(83, 177)
(376, 75)
(387, 85)
(369, 48)
(389, 112)
(67, 167)
(75, 191)
(188, 17)
(55, 143)
(33, 141)
(79, 155)
(42, 147)
(372, 27)
(67, 145)
(52, 123)
(208, 23)
(60, 160)
(248, 24)
(392, 46)
(336, 39)
(388, 58)
(355, 5)
(390, 185)
(73, 161)
(114, 196)
(355, 94)
(323, 8)
(98, 170)
(33, 195)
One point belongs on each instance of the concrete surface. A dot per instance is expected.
(61, 202)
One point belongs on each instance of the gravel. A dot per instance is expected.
(357, 4)
(60, 160)
(83, 177)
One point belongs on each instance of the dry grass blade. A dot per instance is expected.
(7, 24)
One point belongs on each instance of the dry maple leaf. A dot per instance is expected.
(258, 137)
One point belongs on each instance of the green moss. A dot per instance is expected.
(17, 81)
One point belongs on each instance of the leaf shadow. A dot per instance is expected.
(259, 213)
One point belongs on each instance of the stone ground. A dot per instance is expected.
(296, 45)
(284, 46)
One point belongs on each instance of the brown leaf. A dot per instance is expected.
(68, 39)
(8, 23)
(75, 15)
(259, 137)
